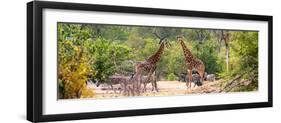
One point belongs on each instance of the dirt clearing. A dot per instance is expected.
(166, 88)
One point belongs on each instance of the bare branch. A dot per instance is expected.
(159, 37)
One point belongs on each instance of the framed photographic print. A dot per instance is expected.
(95, 61)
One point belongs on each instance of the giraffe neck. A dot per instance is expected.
(156, 57)
(187, 53)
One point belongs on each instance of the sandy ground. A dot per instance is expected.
(166, 88)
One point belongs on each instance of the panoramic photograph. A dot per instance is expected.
(103, 61)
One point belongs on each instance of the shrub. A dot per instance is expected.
(172, 77)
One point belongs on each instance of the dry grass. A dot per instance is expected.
(166, 88)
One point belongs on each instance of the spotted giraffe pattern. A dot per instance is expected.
(149, 66)
(192, 62)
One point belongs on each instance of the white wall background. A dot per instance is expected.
(13, 60)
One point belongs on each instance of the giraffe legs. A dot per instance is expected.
(134, 83)
(137, 86)
(201, 76)
(144, 87)
(188, 84)
(153, 83)
(201, 72)
(148, 78)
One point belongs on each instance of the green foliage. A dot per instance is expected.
(114, 33)
(244, 60)
(93, 51)
(74, 62)
(208, 54)
(172, 77)
(245, 47)
(109, 58)
(173, 60)
(247, 53)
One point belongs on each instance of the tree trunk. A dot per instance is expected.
(227, 57)
(225, 36)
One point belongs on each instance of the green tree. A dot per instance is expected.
(109, 58)
(73, 59)
(245, 61)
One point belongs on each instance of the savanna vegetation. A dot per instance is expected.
(96, 52)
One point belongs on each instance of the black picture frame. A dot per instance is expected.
(35, 69)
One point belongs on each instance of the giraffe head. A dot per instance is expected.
(179, 38)
(166, 43)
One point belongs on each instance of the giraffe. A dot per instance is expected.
(192, 62)
(149, 66)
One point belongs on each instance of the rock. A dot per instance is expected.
(205, 75)
(183, 77)
(211, 77)
(196, 79)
